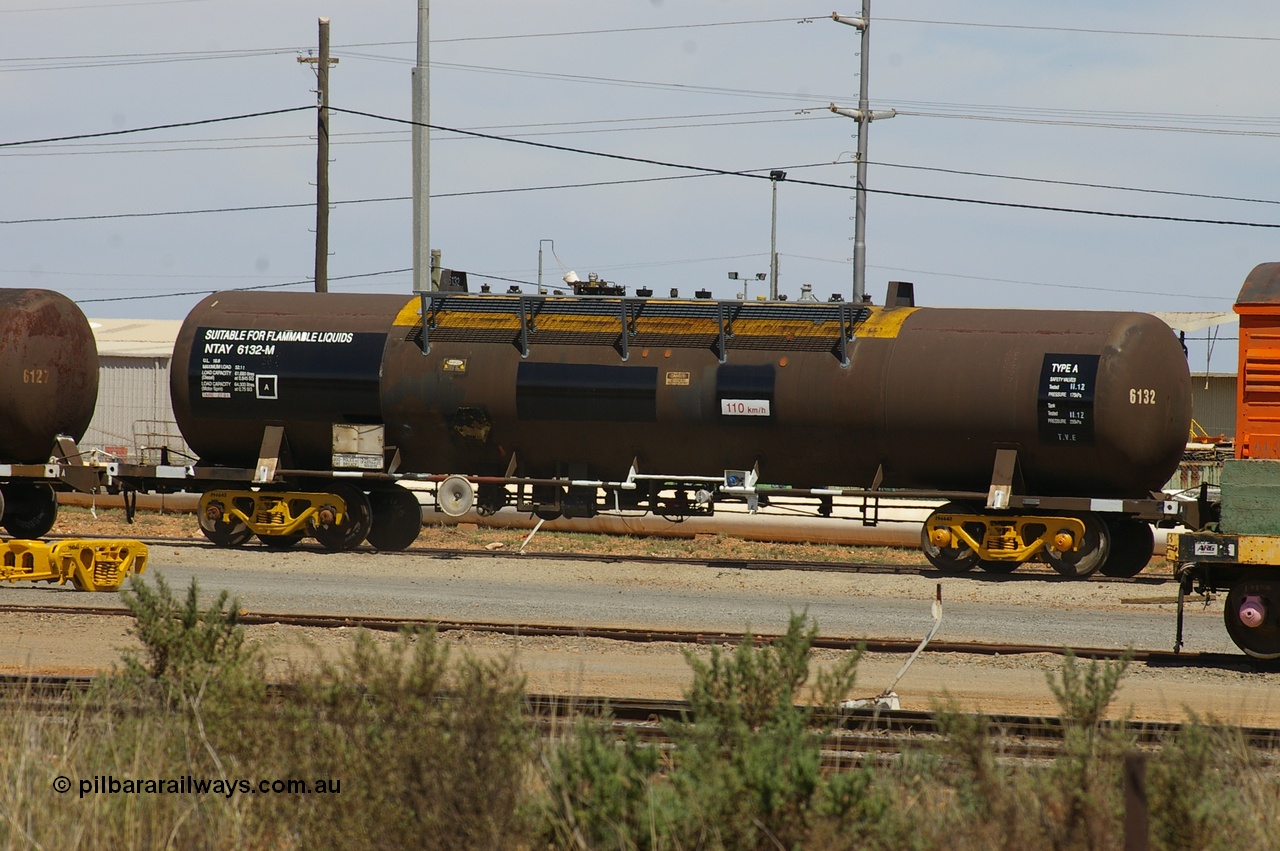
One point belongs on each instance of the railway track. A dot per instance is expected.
(1155, 658)
(1028, 572)
(858, 734)
(864, 734)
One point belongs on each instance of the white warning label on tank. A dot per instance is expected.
(744, 407)
(274, 335)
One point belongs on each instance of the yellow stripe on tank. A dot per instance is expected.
(410, 314)
(883, 324)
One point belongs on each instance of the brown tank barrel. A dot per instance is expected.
(1096, 403)
(49, 369)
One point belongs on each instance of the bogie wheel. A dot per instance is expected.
(355, 525)
(397, 518)
(30, 510)
(1132, 545)
(227, 534)
(956, 557)
(281, 542)
(1252, 616)
(1091, 554)
(212, 516)
(490, 498)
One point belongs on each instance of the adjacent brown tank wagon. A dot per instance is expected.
(1053, 428)
(49, 375)
(49, 370)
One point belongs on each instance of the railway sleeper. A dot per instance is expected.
(89, 565)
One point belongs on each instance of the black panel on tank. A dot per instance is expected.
(312, 376)
(742, 385)
(563, 391)
(1067, 389)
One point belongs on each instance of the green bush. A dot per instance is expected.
(416, 750)
(1199, 785)
(190, 654)
(745, 771)
(428, 753)
(1080, 795)
(603, 795)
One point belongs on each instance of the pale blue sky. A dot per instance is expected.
(1146, 95)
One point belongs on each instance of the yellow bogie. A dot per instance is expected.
(339, 519)
(87, 565)
(271, 514)
(1006, 538)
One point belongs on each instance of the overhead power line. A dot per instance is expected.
(1115, 120)
(197, 123)
(1074, 183)
(223, 54)
(1082, 30)
(843, 187)
(700, 170)
(1102, 125)
(878, 19)
(617, 30)
(298, 283)
(96, 6)
(1201, 123)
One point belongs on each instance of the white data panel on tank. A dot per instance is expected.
(744, 407)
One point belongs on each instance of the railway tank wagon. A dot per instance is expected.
(49, 378)
(1049, 429)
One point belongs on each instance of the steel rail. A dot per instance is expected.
(1026, 572)
(1159, 658)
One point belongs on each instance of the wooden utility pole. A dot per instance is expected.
(322, 63)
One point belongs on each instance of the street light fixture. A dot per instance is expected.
(734, 276)
(775, 177)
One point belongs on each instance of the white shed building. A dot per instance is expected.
(134, 419)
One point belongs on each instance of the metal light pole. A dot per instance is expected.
(421, 156)
(553, 251)
(774, 177)
(864, 117)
